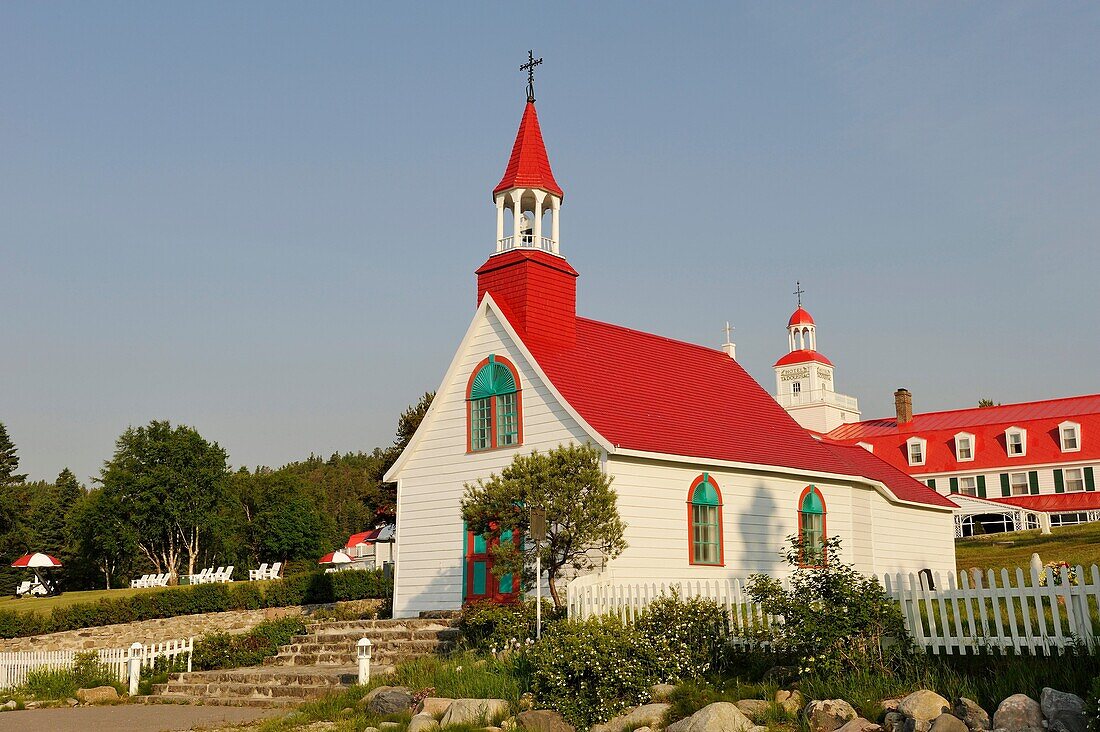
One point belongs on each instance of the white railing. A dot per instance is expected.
(526, 241)
(14, 666)
(818, 396)
(961, 615)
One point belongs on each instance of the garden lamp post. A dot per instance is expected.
(364, 649)
(538, 533)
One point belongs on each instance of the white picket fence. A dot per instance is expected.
(1041, 612)
(14, 666)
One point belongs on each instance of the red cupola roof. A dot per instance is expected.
(529, 167)
(800, 317)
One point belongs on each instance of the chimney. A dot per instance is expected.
(903, 404)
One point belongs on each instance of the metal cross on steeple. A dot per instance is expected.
(529, 67)
(727, 330)
(799, 292)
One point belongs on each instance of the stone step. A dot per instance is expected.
(304, 675)
(337, 659)
(380, 625)
(380, 635)
(314, 646)
(265, 702)
(253, 691)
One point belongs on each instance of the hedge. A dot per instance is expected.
(303, 589)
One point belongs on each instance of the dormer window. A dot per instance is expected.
(1070, 436)
(964, 447)
(1016, 441)
(867, 446)
(916, 450)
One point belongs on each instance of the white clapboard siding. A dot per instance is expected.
(14, 666)
(1032, 612)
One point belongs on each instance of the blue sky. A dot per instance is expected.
(262, 219)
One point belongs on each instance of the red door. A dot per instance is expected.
(480, 582)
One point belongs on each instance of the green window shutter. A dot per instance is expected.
(954, 485)
(981, 486)
(1059, 481)
(1005, 490)
(1033, 481)
(931, 483)
(1090, 480)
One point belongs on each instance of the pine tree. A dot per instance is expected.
(9, 461)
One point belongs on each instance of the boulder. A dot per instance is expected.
(423, 723)
(908, 724)
(890, 705)
(474, 711)
(71, 702)
(829, 714)
(371, 729)
(647, 715)
(859, 724)
(755, 709)
(391, 701)
(973, 716)
(1018, 713)
(893, 722)
(661, 692)
(716, 717)
(542, 720)
(9, 705)
(790, 701)
(434, 705)
(924, 705)
(1063, 712)
(98, 695)
(947, 722)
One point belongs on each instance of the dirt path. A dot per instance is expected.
(129, 718)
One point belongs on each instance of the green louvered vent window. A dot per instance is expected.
(494, 407)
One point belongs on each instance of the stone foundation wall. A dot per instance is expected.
(182, 626)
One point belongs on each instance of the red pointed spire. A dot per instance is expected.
(529, 167)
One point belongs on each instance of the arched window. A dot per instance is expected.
(493, 411)
(705, 521)
(811, 526)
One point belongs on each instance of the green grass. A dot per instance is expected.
(45, 604)
(1073, 544)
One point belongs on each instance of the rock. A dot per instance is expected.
(71, 702)
(661, 692)
(947, 722)
(434, 705)
(373, 693)
(890, 705)
(98, 695)
(474, 711)
(647, 715)
(1018, 713)
(893, 722)
(924, 705)
(422, 723)
(10, 705)
(716, 717)
(755, 709)
(491, 729)
(829, 715)
(973, 716)
(859, 724)
(393, 700)
(371, 729)
(542, 720)
(1064, 712)
(790, 701)
(909, 724)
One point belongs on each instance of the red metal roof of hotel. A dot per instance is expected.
(1055, 502)
(803, 356)
(529, 166)
(904, 487)
(988, 425)
(645, 392)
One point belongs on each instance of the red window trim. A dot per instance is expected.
(721, 527)
(824, 525)
(493, 408)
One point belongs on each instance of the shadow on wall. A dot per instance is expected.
(763, 530)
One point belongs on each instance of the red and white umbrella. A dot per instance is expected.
(335, 558)
(38, 560)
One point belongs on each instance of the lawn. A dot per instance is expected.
(1073, 544)
(45, 604)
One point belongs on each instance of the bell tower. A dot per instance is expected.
(526, 273)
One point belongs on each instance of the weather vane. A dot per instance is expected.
(529, 67)
(799, 291)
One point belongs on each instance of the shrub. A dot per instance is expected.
(1094, 706)
(690, 634)
(490, 627)
(592, 670)
(223, 650)
(834, 618)
(87, 672)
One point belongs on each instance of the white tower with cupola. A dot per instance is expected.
(804, 378)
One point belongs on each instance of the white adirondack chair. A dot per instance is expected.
(227, 575)
(140, 581)
(23, 589)
(258, 574)
(276, 568)
(198, 579)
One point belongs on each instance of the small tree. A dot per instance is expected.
(582, 519)
(9, 460)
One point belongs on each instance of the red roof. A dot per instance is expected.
(800, 317)
(1055, 502)
(529, 166)
(904, 487)
(645, 392)
(363, 537)
(988, 425)
(802, 356)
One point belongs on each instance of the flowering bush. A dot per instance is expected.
(688, 632)
(592, 670)
(834, 618)
(494, 628)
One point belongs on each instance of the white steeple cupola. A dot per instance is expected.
(528, 199)
(804, 378)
